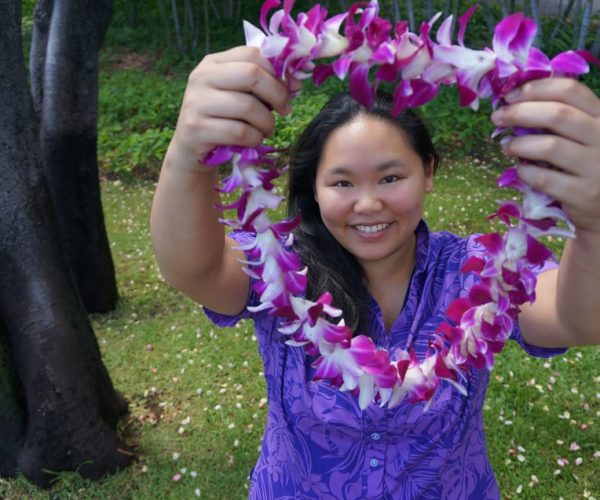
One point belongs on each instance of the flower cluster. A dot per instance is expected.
(477, 324)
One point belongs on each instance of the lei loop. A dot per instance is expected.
(477, 325)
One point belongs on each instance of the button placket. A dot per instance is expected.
(374, 426)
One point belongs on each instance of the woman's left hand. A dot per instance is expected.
(567, 307)
(570, 113)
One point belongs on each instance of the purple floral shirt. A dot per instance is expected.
(319, 444)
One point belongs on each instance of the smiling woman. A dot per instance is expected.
(433, 306)
(372, 211)
(359, 136)
(369, 186)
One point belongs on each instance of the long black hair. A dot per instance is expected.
(330, 266)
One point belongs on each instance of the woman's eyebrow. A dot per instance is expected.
(380, 168)
(389, 164)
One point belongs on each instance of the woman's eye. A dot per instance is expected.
(342, 184)
(389, 178)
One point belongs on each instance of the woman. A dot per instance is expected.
(359, 178)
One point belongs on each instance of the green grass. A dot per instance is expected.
(196, 392)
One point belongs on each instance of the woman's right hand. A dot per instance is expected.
(228, 101)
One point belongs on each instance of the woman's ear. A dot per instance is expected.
(429, 172)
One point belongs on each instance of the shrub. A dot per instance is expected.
(137, 115)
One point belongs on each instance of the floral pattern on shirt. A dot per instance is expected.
(319, 444)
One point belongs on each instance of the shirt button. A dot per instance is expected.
(374, 462)
(375, 436)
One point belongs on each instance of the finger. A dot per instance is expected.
(567, 155)
(240, 106)
(294, 85)
(560, 118)
(566, 90)
(252, 78)
(223, 132)
(566, 188)
(243, 54)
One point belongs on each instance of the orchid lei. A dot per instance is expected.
(478, 324)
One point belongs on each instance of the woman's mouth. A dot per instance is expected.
(371, 228)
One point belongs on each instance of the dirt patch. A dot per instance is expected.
(130, 59)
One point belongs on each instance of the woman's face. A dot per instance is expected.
(370, 187)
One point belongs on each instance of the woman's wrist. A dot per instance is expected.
(182, 159)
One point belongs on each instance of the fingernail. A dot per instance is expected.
(497, 116)
(512, 95)
(505, 141)
(525, 171)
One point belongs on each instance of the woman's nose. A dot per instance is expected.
(367, 202)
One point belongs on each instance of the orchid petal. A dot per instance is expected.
(463, 21)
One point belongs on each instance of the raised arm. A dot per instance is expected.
(567, 309)
(227, 102)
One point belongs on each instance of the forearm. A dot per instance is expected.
(578, 288)
(187, 237)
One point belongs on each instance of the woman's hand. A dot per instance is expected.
(570, 113)
(228, 101)
(567, 307)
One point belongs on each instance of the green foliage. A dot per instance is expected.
(458, 131)
(139, 106)
(138, 153)
(138, 111)
(305, 107)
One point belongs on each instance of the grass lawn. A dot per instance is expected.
(197, 394)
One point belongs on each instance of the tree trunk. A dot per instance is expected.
(48, 345)
(596, 45)
(585, 24)
(12, 413)
(539, 35)
(410, 14)
(576, 22)
(396, 10)
(37, 57)
(489, 18)
(428, 9)
(68, 87)
(560, 20)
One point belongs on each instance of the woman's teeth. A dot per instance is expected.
(372, 229)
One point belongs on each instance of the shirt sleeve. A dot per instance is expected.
(473, 248)
(223, 320)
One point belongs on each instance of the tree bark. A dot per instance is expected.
(12, 413)
(411, 14)
(585, 24)
(539, 35)
(396, 10)
(68, 89)
(48, 352)
(596, 45)
(489, 18)
(560, 20)
(37, 58)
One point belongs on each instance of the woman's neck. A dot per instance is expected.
(393, 272)
(388, 284)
